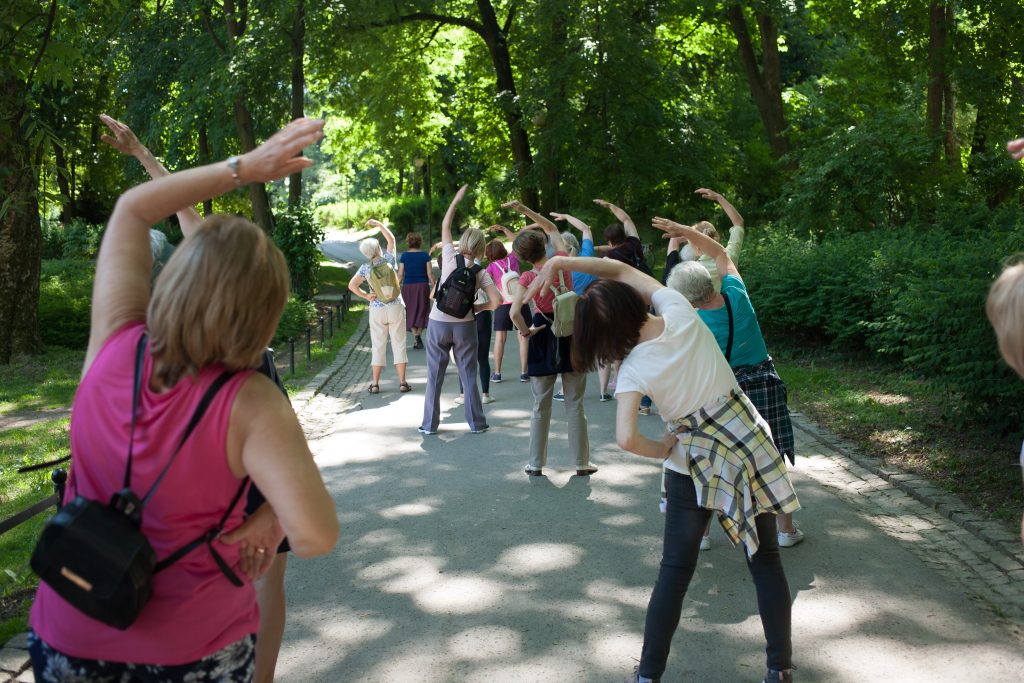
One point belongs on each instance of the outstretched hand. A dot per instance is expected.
(1016, 148)
(258, 538)
(279, 156)
(670, 228)
(123, 139)
(711, 195)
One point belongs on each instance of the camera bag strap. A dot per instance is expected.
(209, 536)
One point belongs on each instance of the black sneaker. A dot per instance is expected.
(635, 678)
(524, 377)
(773, 676)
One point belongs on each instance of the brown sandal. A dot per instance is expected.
(404, 387)
(374, 389)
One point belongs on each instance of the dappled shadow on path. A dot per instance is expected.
(455, 566)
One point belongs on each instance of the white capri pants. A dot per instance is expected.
(388, 320)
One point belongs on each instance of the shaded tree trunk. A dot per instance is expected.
(298, 41)
(497, 45)
(60, 162)
(20, 237)
(765, 81)
(204, 159)
(940, 108)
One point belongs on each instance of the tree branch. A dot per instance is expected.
(508, 20)
(39, 57)
(473, 26)
(208, 24)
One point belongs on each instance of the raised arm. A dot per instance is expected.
(389, 237)
(449, 216)
(125, 141)
(576, 223)
(609, 269)
(729, 209)
(1016, 148)
(708, 245)
(121, 285)
(550, 229)
(622, 216)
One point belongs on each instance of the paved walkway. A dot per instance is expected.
(454, 566)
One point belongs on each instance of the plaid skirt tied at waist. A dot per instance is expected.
(735, 467)
(766, 390)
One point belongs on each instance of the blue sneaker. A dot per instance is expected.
(496, 378)
(427, 432)
(481, 430)
(559, 396)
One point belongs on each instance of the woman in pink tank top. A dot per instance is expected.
(213, 308)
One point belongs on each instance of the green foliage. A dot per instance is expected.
(916, 295)
(81, 239)
(297, 233)
(298, 313)
(64, 302)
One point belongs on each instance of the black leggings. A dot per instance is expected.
(684, 527)
(483, 351)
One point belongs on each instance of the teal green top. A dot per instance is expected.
(747, 342)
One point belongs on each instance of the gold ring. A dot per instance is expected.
(261, 550)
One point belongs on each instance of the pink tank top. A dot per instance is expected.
(194, 610)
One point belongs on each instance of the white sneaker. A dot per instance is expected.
(790, 539)
(705, 543)
(459, 400)
(486, 398)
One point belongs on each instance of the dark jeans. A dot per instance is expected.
(684, 527)
(483, 350)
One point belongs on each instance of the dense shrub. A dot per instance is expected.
(64, 295)
(81, 239)
(915, 295)
(298, 233)
(53, 239)
(296, 318)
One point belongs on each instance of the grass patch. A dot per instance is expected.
(321, 355)
(333, 279)
(908, 423)
(45, 382)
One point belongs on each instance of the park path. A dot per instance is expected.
(454, 566)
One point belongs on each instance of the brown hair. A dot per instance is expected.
(414, 240)
(530, 246)
(615, 234)
(495, 251)
(609, 316)
(218, 300)
(1005, 310)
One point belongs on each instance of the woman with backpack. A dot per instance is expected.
(503, 268)
(387, 309)
(205, 324)
(452, 329)
(548, 355)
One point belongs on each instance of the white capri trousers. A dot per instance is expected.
(388, 320)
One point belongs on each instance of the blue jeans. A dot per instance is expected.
(684, 527)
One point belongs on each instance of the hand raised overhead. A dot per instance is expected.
(279, 155)
(670, 228)
(711, 195)
(123, 139)
(1016, 148)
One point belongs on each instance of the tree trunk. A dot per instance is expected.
(765, 84)
(547, 140)
(936, 72)
(60, 162)
(298, 40)
(522, 156)
(20, 237)
(261, 212)
(204, 159)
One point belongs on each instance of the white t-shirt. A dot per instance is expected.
(681, 370)
(448, 266)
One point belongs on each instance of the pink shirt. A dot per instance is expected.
(545, 299)
(498, 268)
(194, 610)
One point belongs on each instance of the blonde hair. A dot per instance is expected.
(1005, 310)
(708, 229)
(472, 243)
(370, 248)
(218, 300)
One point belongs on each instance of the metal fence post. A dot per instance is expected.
(291, 355)
(59, 477)
(321, 330)
(330, 323)
(309, 345)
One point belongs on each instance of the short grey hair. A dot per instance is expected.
(693, 281)
(572, 245)
(370, 248)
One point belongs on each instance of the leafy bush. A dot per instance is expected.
(81, 239)
(298, 233)
(296, 318)
(53, 239)
(916, 296)
(64, 308)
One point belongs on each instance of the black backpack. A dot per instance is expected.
(455, 296)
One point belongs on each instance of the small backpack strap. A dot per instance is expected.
(728, 310)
